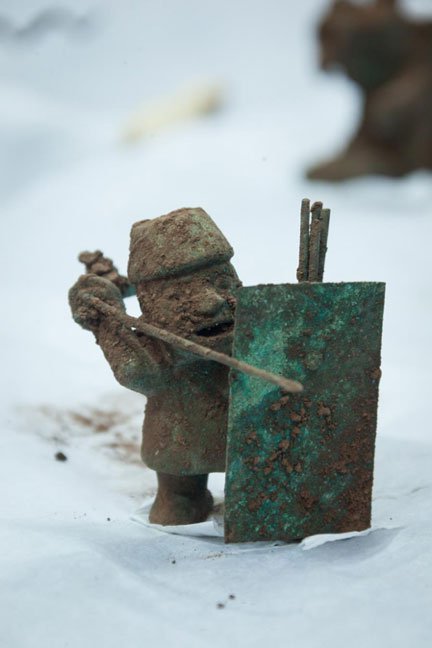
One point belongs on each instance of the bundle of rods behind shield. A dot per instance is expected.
(314, 227)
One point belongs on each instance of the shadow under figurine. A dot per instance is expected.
(180, 267)
(389, 56)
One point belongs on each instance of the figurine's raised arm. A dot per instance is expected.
(130, 358)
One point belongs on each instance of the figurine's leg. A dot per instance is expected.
(181, 500)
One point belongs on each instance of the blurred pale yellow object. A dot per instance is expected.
(188, 103)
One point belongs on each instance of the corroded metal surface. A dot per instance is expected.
(303, 464)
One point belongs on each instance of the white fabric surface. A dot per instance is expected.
(69, 577)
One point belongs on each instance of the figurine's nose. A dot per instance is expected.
(210, 303)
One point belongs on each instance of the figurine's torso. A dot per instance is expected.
(184, 431)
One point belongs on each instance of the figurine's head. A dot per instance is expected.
(368, 40)
(180, 265)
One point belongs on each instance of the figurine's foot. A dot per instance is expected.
(181, 500)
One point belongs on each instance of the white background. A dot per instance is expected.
(69, 577)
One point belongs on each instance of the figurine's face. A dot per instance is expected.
(199, 306)
(368, 41)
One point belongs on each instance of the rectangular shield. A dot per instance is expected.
(301, 464)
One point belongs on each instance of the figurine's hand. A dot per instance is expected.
(87, 286)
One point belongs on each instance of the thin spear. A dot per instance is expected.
(314, 241)
(325, 222)
(187, 345)
(302, 270)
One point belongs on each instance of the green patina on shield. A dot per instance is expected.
(301, 464)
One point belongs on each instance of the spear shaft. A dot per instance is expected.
(197, 349)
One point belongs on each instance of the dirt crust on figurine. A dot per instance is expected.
(179, 268)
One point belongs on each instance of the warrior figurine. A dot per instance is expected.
(299, 458)
(389, 57)
(179, 267)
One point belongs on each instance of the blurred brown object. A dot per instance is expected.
(389, 56)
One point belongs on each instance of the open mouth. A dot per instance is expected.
(215, 329)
